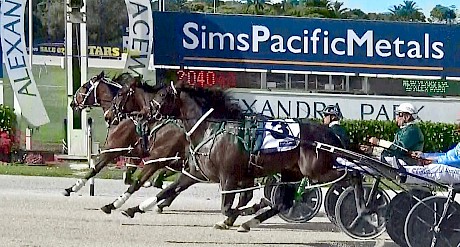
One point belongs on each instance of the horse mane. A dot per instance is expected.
(148, 88)
(223, 104)
(125, 78)
(122, 78)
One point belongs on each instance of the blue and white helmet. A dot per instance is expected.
(333, 110)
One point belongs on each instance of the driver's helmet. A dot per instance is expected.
(407, 108)
(332, 110)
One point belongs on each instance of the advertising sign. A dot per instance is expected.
(306, 44)
(17, 64)
(358, 107)
(140, 36)
(431, 87)
(94, 51)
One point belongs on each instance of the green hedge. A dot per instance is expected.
(438, 136)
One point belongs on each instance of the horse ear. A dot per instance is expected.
(179, 84)
(101, 75)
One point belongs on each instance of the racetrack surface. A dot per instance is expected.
(34, 213)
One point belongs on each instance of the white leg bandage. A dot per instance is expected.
(148, 204)
(121, 200)
(79, 184)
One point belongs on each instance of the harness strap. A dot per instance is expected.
(194, 150)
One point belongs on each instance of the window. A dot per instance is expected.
(277, 81)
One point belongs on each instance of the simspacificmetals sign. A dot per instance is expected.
(140, 39)
(306, 44)
(17, 64)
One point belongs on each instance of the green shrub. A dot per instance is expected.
(7, 132)
(7, 119)
(438, 136)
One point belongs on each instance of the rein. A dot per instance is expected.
(91, 88)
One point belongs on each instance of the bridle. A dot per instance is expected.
(91, 88)
(155, 106)
(118, 108)
(154, 113)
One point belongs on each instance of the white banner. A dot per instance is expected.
(17, 64)
(140, 39)
(359, 107)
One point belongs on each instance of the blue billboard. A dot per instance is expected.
(305, 44)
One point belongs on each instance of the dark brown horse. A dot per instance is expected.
(122, 139)
(221, 155)
(99, 91)
(167, 143)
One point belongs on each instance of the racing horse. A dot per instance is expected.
(122, 139)
(99, 91)
(218, 151)
(169, 143)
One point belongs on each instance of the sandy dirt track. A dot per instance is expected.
(34, 213)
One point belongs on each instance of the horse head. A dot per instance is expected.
(166, 101)
(134, 96)
(97, 91)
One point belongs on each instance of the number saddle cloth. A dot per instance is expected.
(277, 135)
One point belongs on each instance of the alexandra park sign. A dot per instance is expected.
(306, 44)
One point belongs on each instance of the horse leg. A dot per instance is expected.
(264, 202)
(162, 176)
(103, 160)
(146, 173)
(244, 198)
(158, 183)
(130, 170)
(288, 193)
(182, 183)
(226, 205)
(246, 226)
(168, 195)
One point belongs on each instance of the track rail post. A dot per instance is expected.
(90, 152)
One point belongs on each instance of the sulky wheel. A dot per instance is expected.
(270, 184)
(330, 200)
(367, 223)
(397, 211)
(304, 208)
(421, 227)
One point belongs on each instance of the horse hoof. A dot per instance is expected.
(244, 228)
(108, 208)
(221, 226)
(128, 213)
(67, 192)
(159, 210)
